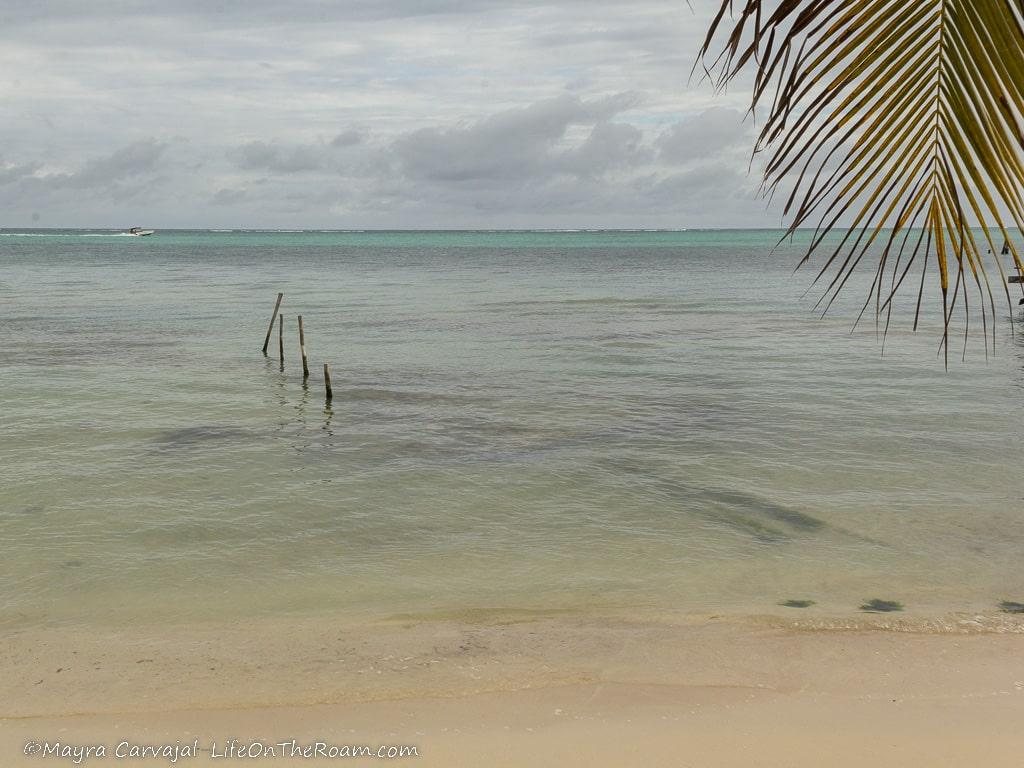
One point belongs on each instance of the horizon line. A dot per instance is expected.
(491, 230)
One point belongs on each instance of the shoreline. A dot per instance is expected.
(592, 690)
(329, 660)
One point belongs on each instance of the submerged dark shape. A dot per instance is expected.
(768, 508)
(1008, 606)
(191, 437)
(796, 603)
(881, 606)
(755, 515)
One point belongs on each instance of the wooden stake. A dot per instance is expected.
(302, 349)
(277, 306)
(327, 382)
(280, 338)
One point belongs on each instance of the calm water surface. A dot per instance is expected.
(521, 421)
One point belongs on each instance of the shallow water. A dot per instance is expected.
(576, 421)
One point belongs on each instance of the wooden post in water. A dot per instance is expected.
(280, 338)
(302, 349)
(277, 306)
(327, 382)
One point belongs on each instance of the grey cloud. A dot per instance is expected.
(527, 162)
(610, 146)
(228, 196)
(137, 159)
(712, 132)
(511, 145)
(261, 156)
(706, 190)
(277, 157)
(609, 106)
(347, 138)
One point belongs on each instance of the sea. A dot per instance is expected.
(589, 422)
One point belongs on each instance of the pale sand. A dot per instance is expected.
(559, 691)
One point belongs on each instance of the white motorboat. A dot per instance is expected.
(139, 232)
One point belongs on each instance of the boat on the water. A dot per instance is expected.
(139, 232)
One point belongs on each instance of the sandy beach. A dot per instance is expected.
(546, 690)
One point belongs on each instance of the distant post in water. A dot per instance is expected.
(280, 338)
(277, 306)
(302, 349)
(327, 382)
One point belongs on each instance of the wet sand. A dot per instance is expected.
(534, 690)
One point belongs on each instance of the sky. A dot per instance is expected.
(398, 114)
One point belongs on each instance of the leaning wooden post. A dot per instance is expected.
(280, 338)
(302, 349)
(327, 382)
(277, 306)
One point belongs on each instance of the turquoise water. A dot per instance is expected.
(580, 421)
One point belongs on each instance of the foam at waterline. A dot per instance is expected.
(951, 624)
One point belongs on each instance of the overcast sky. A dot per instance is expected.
(367, 113)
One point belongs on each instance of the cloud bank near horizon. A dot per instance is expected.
(390, 113)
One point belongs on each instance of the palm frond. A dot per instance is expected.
(898, 124)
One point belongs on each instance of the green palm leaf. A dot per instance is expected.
(898, 125)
